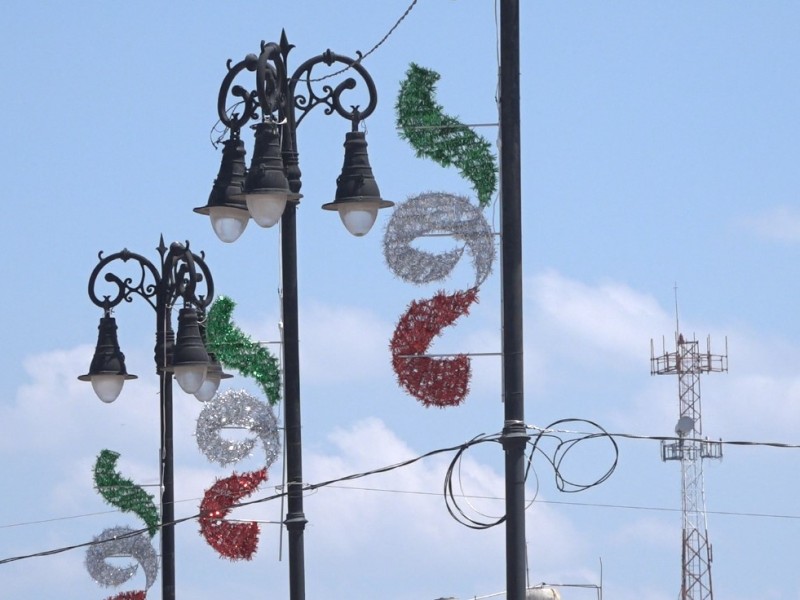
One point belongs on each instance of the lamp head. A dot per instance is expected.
(214, 375)
(189, 357)
(266, 189)
(358, 198)
(107, 371)
(226, 205)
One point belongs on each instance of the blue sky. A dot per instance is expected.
(659, 148)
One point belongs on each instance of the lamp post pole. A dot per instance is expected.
(174, 279)
(269, 191)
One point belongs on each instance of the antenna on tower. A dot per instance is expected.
(691, 449)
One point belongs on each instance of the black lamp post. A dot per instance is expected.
(270, 190)
(173, 282)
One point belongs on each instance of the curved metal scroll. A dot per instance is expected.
(234, 120)
(275, 93)
(181, 271)
(331, 96)
(268, 95)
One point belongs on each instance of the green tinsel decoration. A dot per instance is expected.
(123, 493)
(236, 350)
(440, 137)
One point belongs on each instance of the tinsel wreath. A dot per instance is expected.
(236, 541)
(442, 138)
(124, 493)
(437, 213)
(236, 409)
(117, 542)
(433, 381)
(236, 350)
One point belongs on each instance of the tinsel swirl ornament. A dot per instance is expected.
(437, 382)
(236, 350)
(133, 595)
(124, 493)
(237, 409)
(121, 541)
(444, 139)
(434, 213)
(236, 541)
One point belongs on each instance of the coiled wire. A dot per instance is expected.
(565, 441)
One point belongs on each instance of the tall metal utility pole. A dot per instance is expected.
(691, 449)
(515, 434)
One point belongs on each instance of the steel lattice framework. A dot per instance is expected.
(691, 449)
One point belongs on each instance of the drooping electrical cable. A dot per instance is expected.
(276, 496)
(361, 56)
(543, 433)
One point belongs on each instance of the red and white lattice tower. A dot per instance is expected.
(691, 449)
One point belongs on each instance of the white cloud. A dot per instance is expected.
(339, 343)
(610, 324)
(406, 510)
(52, 392)
(609, 321)
(53, 409)
(753, 406)
(780, 223)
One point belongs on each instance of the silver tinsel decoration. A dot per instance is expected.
(121, 542)
(237, 409)
(437, 213)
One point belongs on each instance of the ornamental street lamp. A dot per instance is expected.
(269, 191)
(173, 282)
(272, 183)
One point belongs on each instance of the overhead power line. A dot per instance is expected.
(459, 449)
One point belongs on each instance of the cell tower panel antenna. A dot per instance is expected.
(688, 363)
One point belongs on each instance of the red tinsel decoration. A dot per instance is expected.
(129, 596)
(433, 381)
(237, 541)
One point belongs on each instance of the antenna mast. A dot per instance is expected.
(691, 449)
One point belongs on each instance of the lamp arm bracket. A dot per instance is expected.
(231, 118)
(277, 93)
(143, 282)
(308, 98)
(270, 79)
(181, 271)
